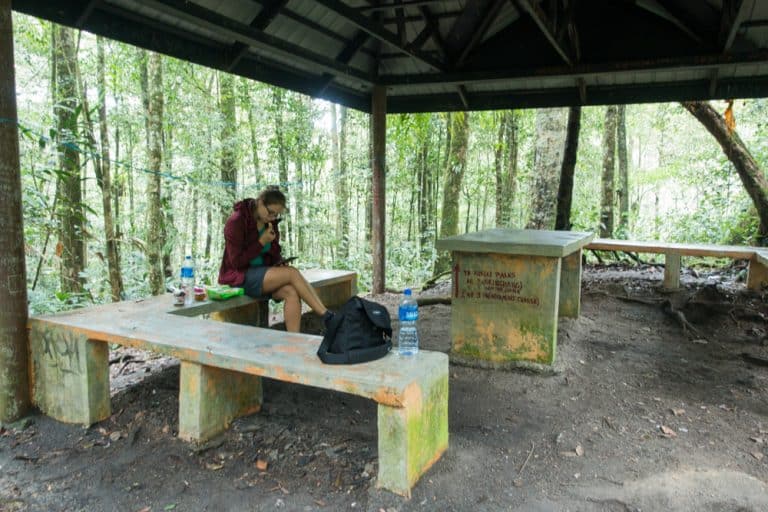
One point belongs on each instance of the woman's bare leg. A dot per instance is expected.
(277, 277)
(291, 307)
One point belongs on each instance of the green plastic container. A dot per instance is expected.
(223, 292)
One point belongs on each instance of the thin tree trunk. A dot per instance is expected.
(455, 167)
(155, 134)
(498, 165)
(228, 142)
(208, 234)
(71, 215)
(621, 145)
(425, 206)
(609, 169)
(14, 376)
(565, 191)
(105, 183)
(278, 96)
(252, 130)
(749, 171)
(342, 181)
(548, 161)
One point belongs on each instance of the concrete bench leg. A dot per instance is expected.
(336, 294)
(570, 286)
(210, 398)
(757, 276)
(255, 313)
(70, 375)
(413, 437)
(671, 271)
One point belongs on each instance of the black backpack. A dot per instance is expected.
(360, 331)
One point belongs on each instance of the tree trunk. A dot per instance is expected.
(252, 130)
(155, 134)
(228, 142)
(278, 95)
(609, 169)
(565, 191)
(455, 167)
(105, 180)
(621, 145)
(71, 214)
(14, 379)
(426, 192)
(752, 177)
(548, 161)
(342, 197)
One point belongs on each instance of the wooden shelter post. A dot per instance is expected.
(378, 162)
(14, 387)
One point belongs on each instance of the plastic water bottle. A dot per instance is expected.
(408, 314)
(188, 280)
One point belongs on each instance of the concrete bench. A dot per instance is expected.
(222, 365)
(757, 276)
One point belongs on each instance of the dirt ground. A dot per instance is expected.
(642, 413)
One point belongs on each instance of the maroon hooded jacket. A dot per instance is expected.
(241, 244)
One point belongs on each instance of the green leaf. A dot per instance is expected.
(170, 507)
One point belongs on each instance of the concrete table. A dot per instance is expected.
(509, 288)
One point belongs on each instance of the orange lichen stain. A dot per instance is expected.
(290, 349)
(281, 374)
(413, 478)
(346, 385)
(388, 396)
(254, 370)
(413, 397)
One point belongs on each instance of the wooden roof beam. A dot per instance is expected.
(228, 27)
(268, 13)
(397, 4)
(542, 21)
(730, 21)
(86, 13)
(344, 57)
(477, 36)
(377, 30)
(659, 10)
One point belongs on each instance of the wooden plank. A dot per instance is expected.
(671, 271)
(757, 275)
(289, 357)
(530, 242)
(716, 251)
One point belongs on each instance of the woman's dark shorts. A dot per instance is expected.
(254, 281)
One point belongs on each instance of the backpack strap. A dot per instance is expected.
(330, 334)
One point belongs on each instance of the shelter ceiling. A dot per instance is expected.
(456, 54)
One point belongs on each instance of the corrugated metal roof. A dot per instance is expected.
(453, 55)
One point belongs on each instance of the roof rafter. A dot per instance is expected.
(376, 30)
(485, 22)
(658, 9)
(268, 13)
(547, 28)
(86, 13)
(344, 57)
(243, 33)
(730, 21)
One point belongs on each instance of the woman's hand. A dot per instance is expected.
(268, 235)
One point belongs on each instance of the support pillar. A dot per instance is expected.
(413, 437)
(210, 398)
(14, 378)
(671, 271)
(570, 285)
(378, 162)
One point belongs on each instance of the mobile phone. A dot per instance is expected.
(286, 261)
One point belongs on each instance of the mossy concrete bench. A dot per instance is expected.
(222, 365)
(757, 276)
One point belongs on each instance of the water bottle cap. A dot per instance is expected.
(187, 257)
(407, 292)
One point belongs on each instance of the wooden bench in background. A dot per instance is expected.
(222, 364)
(757, 276)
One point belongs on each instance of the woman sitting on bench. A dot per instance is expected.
(252, 258)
